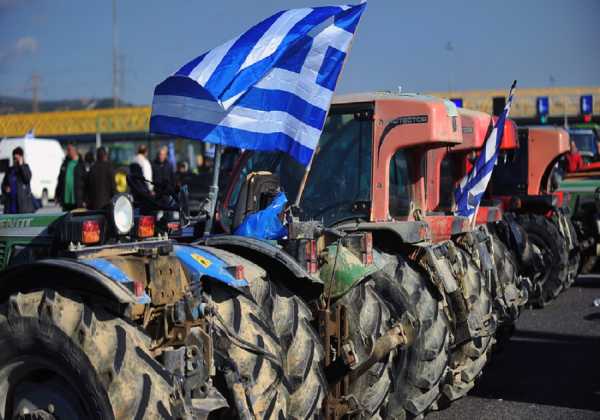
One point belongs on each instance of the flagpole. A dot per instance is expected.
(312, 158)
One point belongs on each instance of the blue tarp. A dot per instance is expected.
(265, 224)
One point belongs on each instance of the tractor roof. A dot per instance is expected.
(555, 138)
(475, 125)
(409, 120)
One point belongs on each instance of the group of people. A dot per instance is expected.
(82, 183)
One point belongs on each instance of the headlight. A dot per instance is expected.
(122, 213)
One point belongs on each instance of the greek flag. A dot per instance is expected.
(268, 89)
(472, 187)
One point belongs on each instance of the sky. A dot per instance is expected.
(419, 46)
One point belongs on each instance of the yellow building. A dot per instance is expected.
(562, 100)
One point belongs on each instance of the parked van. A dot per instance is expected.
(44, 157)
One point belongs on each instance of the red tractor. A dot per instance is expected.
(367, 181)
(446, 168)
(524, 181)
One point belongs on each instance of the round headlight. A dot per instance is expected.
(122, 214)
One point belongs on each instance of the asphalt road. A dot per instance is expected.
(549, 370)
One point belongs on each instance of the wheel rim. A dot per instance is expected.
(31, 384)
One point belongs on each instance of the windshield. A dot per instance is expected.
(585, 141)
(340, 177)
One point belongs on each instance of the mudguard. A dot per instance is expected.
(200, 262)
(277, 262)
(66, 274)
(342, 269)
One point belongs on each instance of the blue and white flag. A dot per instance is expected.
(268, 89)
(471, 188)
(30, 134)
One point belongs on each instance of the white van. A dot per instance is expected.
(44, 157)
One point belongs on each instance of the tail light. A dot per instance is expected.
(173, 226)
(237, 271)
(368, 248)
(311, 256)
(145, 227)
(138, 288)
(90, 232)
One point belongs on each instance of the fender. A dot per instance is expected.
(65, 274)
(273, 259)
(200, 262)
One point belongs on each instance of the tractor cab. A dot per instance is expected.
(373, 147)
(531, 170)
(451, 165)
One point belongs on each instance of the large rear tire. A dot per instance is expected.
(76, 361)
(301, 347)
(419, 369)
(468, 359)
(513, 293)
(547, 240)
(574, 254)
(249, 358)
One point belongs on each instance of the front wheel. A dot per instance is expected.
(418, 370)
(552, 247)
(61, 358)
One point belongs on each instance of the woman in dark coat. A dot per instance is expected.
(15, 186)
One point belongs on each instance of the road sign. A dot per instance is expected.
(542, 106)
(586, 104)
(458, 102)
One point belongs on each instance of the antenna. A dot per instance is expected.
(115, 57)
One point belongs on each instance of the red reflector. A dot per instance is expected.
(90, 232)
(311, 256)
(368, 248)
(239, 272)
(138, 288)
(587, 118)
(173, 225)
(145, 227)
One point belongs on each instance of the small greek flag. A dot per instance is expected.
(471, 188)
(268, 89)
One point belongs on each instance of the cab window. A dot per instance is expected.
(399, 184)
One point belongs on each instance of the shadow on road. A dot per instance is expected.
(545, 368)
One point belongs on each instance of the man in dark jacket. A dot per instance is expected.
(15, 186)
(101, 182)
(162, 171)
(71, 181)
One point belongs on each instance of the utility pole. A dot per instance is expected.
(35, 92)
(115, 66)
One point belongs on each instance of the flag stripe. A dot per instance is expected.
(245, 118)
(234, 137)
(274, 36)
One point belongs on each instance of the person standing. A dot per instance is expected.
(574, 160)
(141, 159)
(71, 181)
(101, 181)
(15, 186)
(162, 171)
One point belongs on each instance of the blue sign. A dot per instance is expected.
(457, 101)
(542, 106)
(586, 104)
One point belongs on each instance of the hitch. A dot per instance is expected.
(344, 365)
